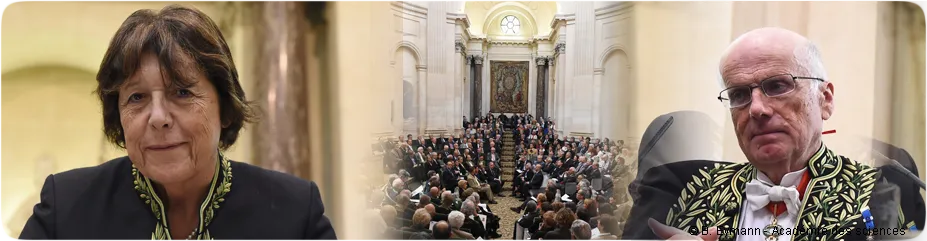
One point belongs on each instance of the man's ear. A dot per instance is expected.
(827, 100)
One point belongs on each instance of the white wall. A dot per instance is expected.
(589, 96)
(852, 74)
(677, 46)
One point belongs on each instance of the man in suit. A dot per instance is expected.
(449, 176)
(420, 142)
(779, 96)
(472, 221)
(493, 177)
(477, 186)
(534, 181)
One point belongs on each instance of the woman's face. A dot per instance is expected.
(171, 133)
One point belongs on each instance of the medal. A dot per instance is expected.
(773, 230)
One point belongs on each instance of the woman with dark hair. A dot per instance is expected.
(564, 219)
(172, 99)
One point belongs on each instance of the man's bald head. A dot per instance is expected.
(431, 209)
(764, 44)
(441, 230)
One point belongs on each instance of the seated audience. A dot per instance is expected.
(435, 216)
(548, 224)
(456, 220)
(459, 170)
(580, 230)
(565, 220)
(441, 230)
(483, 188)
(527, 221)
(608, 226)
(472, 221)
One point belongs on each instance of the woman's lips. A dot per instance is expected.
(164, 147)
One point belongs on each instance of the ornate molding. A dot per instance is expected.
(560, 48)
(598, 71)
(460, 47)
(510, 42)
(542, 60)
(459, 17)
(421, 67)
(477, 59)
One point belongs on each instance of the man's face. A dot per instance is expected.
(772, 130)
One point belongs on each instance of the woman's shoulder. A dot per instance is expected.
(254, 177)
(104, 172)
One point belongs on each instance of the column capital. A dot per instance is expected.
(542, 60)
(477, 59)
(421, 67)
(460, 47)
(598, 71)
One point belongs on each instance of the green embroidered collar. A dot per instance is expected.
(221, 185)
(838, 189)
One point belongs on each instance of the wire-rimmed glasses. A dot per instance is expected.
(777, 85)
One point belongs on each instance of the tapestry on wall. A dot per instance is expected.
(509, 87)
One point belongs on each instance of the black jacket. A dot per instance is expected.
(101, 203)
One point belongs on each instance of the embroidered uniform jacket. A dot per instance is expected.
(113, 201)
(696, 195)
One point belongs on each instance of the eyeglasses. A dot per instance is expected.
(778, 85)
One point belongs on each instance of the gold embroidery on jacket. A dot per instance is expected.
(838, 190)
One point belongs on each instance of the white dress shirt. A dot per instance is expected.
(756, 221)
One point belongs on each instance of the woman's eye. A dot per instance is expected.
(184, 93)
(135, 98)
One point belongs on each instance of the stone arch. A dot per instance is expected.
(409, 45)
(612, 49)
(523, 12)
(615, 96)
(405, 123)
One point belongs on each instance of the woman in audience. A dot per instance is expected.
(548, 224)
(456, 220)
(172, 99)
(565, 219)
(557, 205)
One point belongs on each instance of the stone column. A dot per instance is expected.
(478, 83)
(472, 87)
(422, 96)
(281, 139)
(541, 103)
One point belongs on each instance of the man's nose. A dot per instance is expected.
(758, 107)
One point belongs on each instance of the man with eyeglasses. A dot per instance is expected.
(792, 187)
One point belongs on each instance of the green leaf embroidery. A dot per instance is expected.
(696, 212)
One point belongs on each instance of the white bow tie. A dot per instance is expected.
(759, 194)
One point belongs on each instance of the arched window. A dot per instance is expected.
(510, 25)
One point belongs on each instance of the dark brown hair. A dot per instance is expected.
(549, 220)
(185, 41)
(565, 218)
